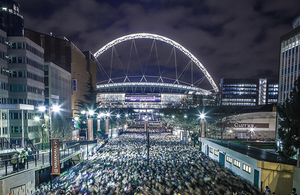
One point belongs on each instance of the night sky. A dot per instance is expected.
(232, 39)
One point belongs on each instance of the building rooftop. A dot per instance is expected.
(258, 154)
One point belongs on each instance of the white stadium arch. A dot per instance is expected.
(163, 39)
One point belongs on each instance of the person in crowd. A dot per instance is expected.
(294, 191)
(121, 167)
(22, 159)
(14, 161)
(267, 191)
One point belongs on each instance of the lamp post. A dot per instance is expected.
(54, 108)
(87, 114)
(148, 138)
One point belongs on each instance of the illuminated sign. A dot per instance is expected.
(90, 129)
(106, 126)
(55, 157)
(142, 98)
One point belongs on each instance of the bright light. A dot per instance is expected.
(82, 112)
(99, 116)
(56, 108)
(91, 112)
(76, 118)
(118, 116)
(42, 108)
(251, 129)
(126, 115)
(108, 114)
(185, 116)
(36, 118)
(202, 116)
(173, 116)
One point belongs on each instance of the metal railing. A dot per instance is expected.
(33, 160)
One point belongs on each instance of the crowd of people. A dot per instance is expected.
(122, 167)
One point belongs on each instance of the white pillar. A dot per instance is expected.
(8, 125)
(23, 129)
(1, 125)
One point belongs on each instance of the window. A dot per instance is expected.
(19, 60)
(247, 168)
(237, 163)
(216, 152)
(211, 150)
(265, 134)
(229, 159)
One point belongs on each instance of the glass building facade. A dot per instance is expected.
(248, 92)
(289, 61)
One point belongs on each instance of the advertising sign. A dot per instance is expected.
(90, 129)
(202, 128)
(106, 126)
(98, 125)
(55, 157)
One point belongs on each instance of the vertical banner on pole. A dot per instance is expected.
(98, 125)
(90, 129)
(106, 126)
(202, 128)
(55, 157)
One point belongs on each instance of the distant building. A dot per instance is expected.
(289, 68)
(10, 19)
(248, 92)
(66, 55)
(58, 86)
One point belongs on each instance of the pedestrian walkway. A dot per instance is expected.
(121, 167)
(36, 160)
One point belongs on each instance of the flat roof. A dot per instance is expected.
(255, 153)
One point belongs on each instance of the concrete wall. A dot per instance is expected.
(243, 159)
(296, 179)
(19, 183)
(279, 177)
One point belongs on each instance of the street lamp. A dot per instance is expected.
(202, 127)
(54, 108)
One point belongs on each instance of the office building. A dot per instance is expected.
(248, 92)
(11, 21)
(22, 86)
(58, 86)
(62, 52)
(289, 61)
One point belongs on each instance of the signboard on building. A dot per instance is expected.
(98, 125)
(106, 126)
(74, 84)
(90, 129)
(55, 157)
(202, 128)
(245, 125)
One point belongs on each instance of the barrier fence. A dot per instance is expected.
(36, 159)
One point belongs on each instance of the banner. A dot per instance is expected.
(106, 126)
(55, 157)
(90, 129)
(202, 128)
(98, 125)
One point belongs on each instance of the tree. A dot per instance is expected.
(219, 123)
(62, 128)
(289, 122)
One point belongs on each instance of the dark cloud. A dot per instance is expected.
(232, 39)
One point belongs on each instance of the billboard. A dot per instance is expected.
(142, 98)
(90, 129)
(106, 126)
(202, 128)
(55, 157)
